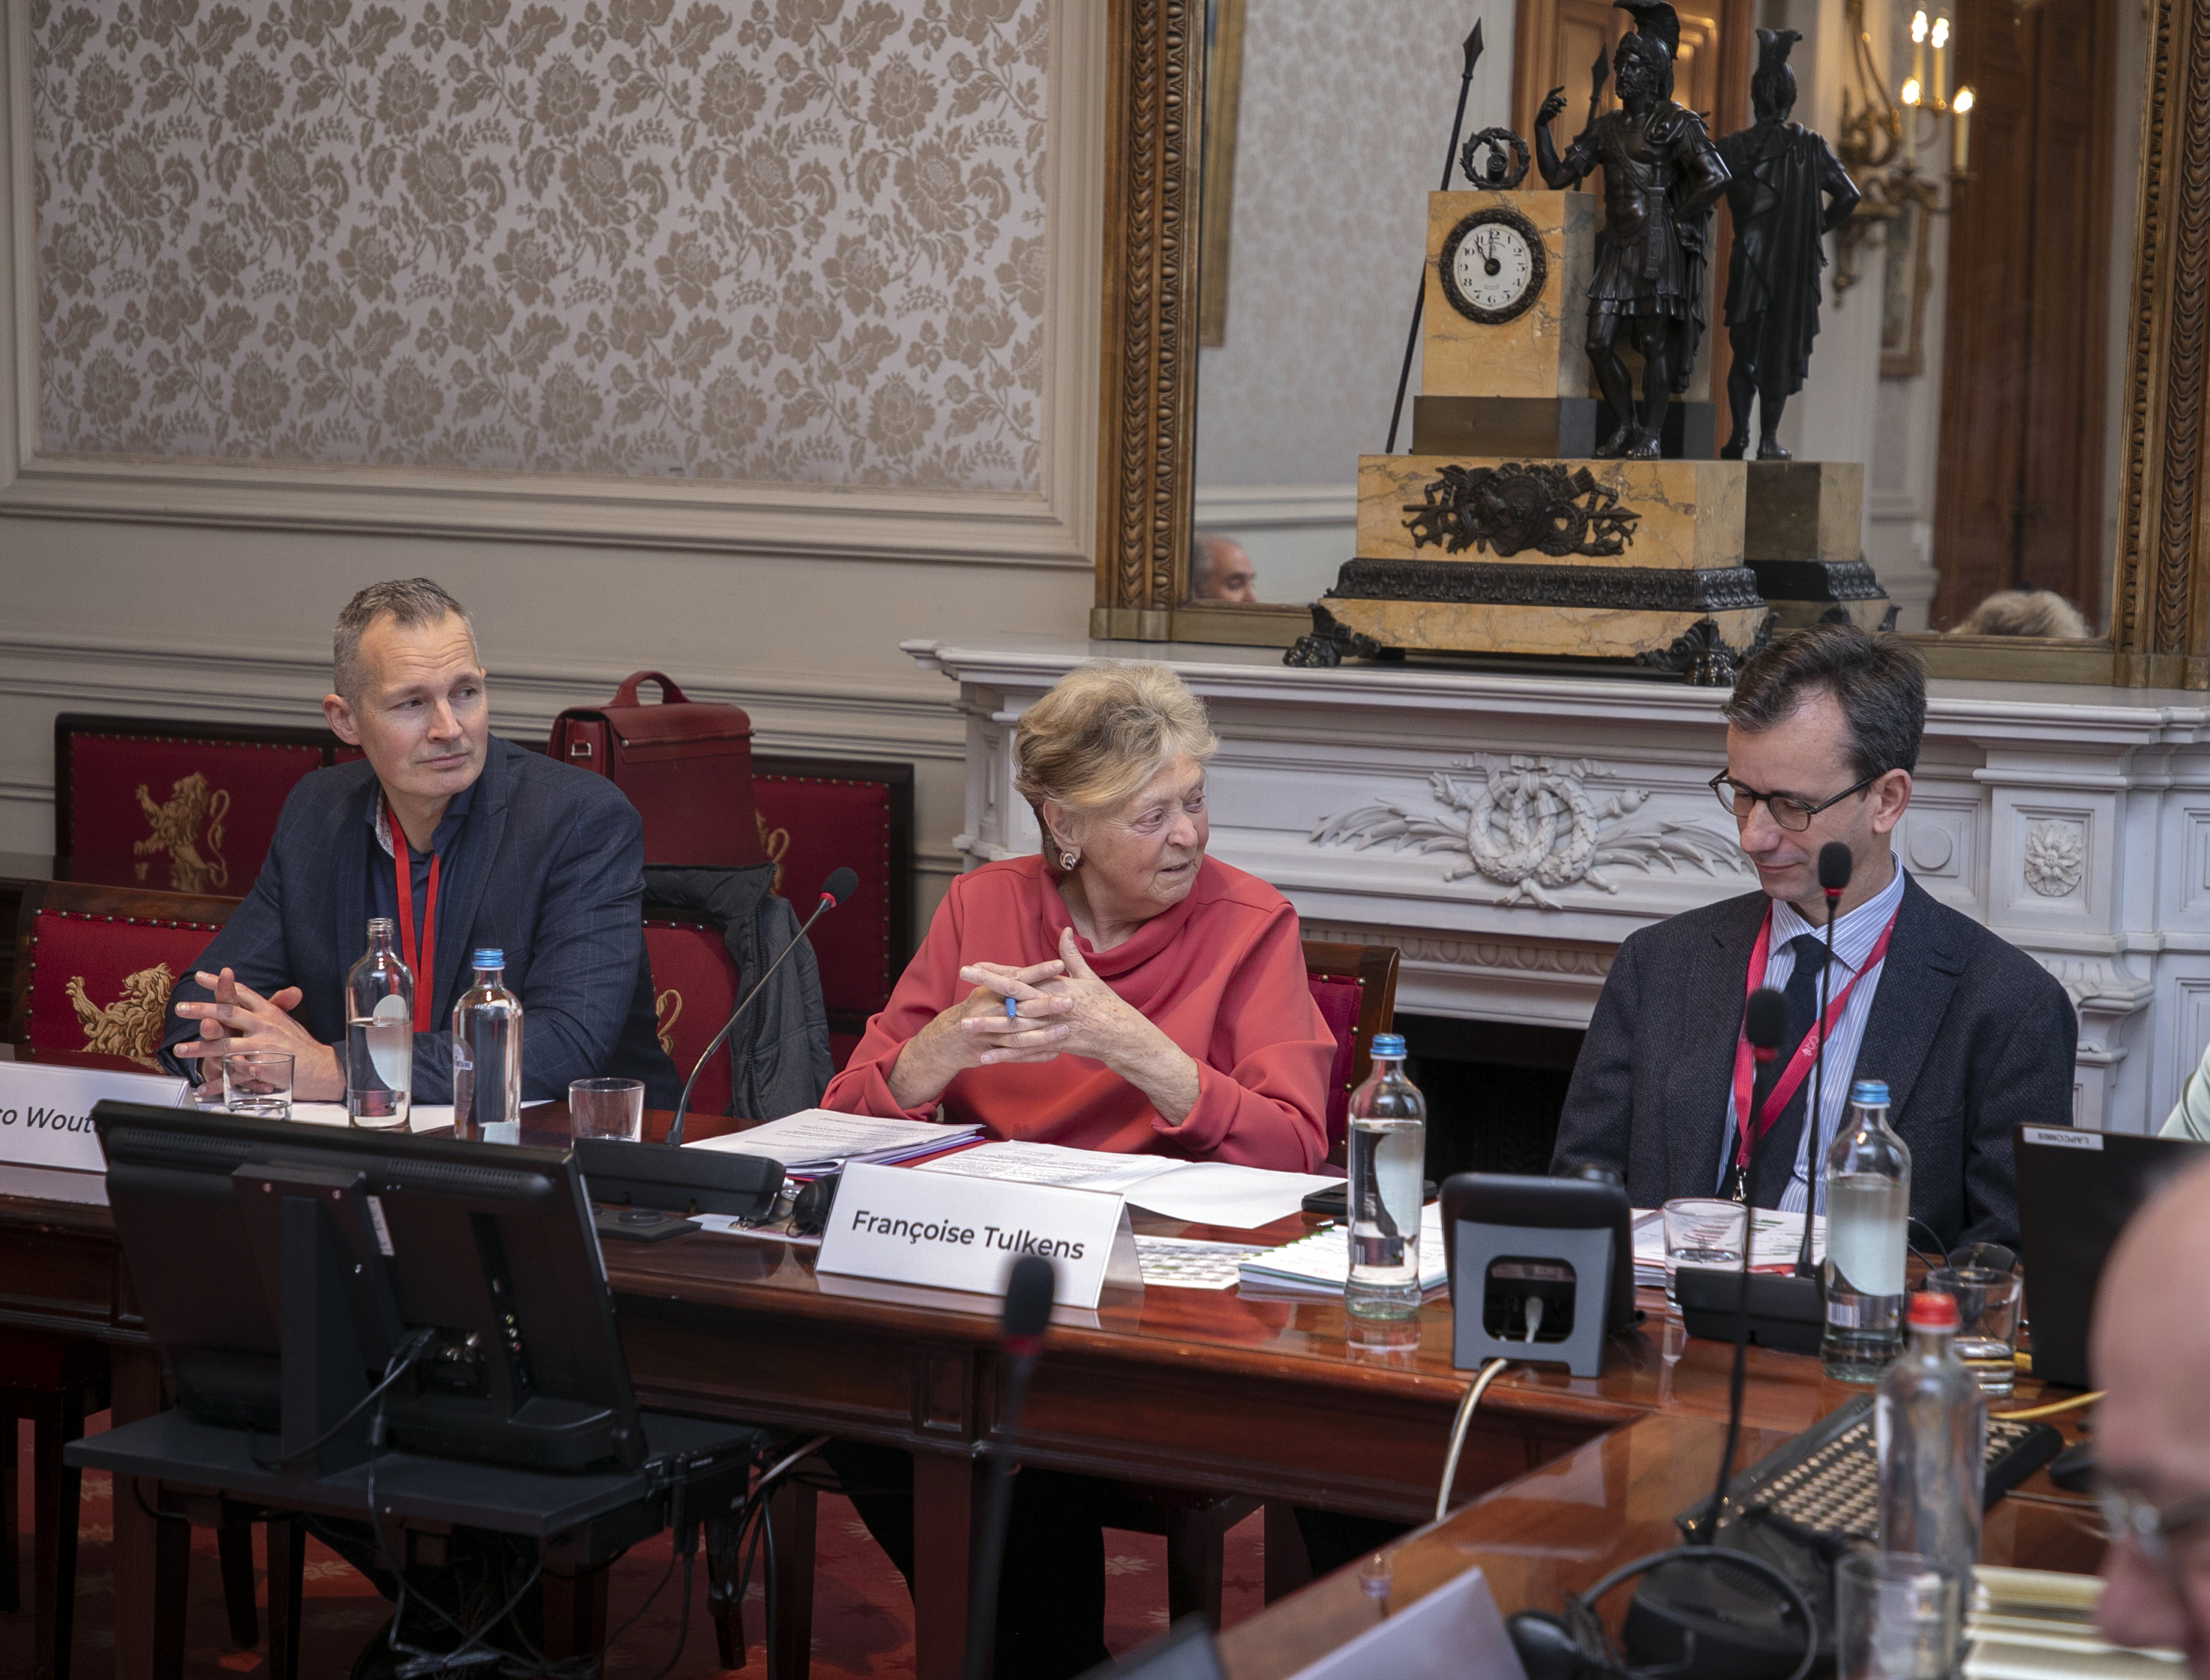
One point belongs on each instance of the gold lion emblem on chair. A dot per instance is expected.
(193, 814)
(131, 1026)
(774, 842)
(667, 1009)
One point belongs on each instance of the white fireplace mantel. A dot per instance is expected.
(1507, 832)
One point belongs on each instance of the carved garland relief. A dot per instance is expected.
(1533, 826)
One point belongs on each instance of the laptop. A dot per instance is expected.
(2076, 1189)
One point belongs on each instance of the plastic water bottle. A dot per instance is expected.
(379, 1034)
(1868, 1207)
(487, 1057)
(1388, 1159)
(1931, 1424)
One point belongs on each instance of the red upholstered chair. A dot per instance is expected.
(694, 987)
(188, 806)
(94, 966)
(1356, 987)
(816, 816)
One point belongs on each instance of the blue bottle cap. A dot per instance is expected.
(489, 958)
(1871, 1092)
(1388, 1044)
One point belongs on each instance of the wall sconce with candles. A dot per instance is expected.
(1881, 137)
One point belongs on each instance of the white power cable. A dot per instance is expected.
(1489, 1373)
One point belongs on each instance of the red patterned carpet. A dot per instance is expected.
(862, 1620)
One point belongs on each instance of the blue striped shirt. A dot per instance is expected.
(1855, 935)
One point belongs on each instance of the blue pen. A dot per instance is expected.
(1012, 1010)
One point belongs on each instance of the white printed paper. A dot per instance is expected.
(819, 1137)
(1201, 1192)
(1185, 1262)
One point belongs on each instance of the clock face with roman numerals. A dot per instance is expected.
(1493, 266)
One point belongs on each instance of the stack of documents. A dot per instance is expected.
(1776, 1238)
(1320, 1264)
(1201, 1192)
(818, 1140)
(2036, 1624)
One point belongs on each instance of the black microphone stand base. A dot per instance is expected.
(1787, 1313)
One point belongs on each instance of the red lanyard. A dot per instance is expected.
(424, 985)
(1798, 1068)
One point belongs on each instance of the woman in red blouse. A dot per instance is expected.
(1159, 1004)
(1160, 994)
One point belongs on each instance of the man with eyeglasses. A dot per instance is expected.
(1970, 1034)
(2150, 1356)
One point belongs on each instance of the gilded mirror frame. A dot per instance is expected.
(2159, 611)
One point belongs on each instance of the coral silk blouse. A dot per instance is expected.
(1222, 974)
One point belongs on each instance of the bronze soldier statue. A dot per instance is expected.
(1661, 177)
(1778, 172)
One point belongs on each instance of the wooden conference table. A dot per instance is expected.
(1209, 1390)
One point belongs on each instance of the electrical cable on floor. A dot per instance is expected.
(1489, 1373)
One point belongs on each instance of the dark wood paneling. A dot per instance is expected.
(2019, 502)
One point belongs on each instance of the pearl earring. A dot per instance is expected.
(1067, 860)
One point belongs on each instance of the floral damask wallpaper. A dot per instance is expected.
(798, 241)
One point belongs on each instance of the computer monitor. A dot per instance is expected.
(2076, 1189)
(280, 1266)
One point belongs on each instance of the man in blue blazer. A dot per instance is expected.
(1970, 1035)
(466, 841)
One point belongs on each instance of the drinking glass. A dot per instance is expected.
(258, 1082)
(1987, 1321)
(606, 1108)
(1703, 1231)
(1895, 1617)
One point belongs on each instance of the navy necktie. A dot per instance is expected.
(1776, 1151)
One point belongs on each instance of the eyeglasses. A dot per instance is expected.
(2154, 1531)
(1789, 811)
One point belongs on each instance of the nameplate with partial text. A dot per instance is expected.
(951, 1232)
(45, 1111)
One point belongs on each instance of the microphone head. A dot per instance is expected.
(1768, 1018)
(1834, 866)
(840, 885)
(1029, 1289)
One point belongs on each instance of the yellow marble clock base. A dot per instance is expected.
(1802, 533)
(1556, 632)
(1689, 514)
(1547, 428)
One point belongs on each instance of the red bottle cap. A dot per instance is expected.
(1932, 1310)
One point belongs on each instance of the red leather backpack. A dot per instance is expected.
(687, 765)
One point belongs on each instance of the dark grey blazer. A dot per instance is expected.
(553, 875)
(1972, 1035)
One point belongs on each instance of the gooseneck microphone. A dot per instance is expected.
(1835, 865)
(835, 890)
(1766, 1025)
(1028, 1290)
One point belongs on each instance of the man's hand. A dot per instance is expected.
(240, 1022)
(1552, 107)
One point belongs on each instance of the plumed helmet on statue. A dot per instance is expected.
(1772, 84)
(1656, 39)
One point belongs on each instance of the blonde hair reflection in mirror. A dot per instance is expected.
(1103, 732)
(2026, 612)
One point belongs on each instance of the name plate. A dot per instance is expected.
(951, 1232)
(45, 1111)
